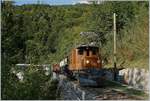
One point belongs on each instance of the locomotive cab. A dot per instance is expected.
(85, 57)
(85, 62)
(89, 57)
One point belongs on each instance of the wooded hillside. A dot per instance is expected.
(44, 34)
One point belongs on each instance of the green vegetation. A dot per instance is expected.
(43, 34)
(125, 89)
(35, 85)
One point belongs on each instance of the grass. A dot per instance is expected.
(127, 90)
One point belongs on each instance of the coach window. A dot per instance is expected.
(80, 52)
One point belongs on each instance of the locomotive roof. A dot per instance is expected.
(85, 46)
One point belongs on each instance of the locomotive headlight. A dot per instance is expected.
(98, 61)
(87, 61)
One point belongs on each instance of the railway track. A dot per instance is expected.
(70, 90)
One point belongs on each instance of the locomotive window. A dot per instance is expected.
(80, 52)
(94, 51)
(87, 52)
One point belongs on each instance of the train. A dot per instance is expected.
(84, 64)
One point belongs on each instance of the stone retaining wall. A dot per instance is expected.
(138, 78)
(69, 90)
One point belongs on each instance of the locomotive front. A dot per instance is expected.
(85, 62)
(90, 57)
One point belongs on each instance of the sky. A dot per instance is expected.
(51, 2)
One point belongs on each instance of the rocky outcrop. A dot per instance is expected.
(138, 78)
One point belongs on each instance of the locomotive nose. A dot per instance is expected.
(91, 62)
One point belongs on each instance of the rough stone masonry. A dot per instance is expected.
(137, 78)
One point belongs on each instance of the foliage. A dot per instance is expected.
(35, 85)
(44, 34)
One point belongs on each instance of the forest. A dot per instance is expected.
(45, 34)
